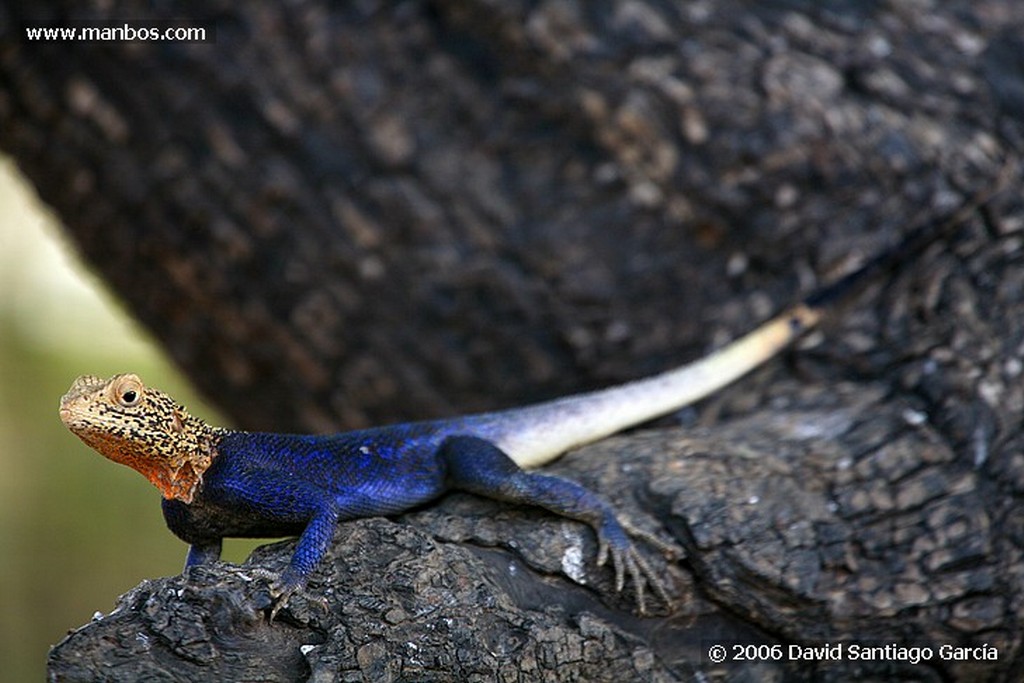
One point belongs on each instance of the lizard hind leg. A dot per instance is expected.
(478, 466)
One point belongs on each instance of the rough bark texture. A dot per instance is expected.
(345, 213)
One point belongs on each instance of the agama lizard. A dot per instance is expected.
(219, 483)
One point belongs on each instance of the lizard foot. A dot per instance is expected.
(283, 587)
(614, 542)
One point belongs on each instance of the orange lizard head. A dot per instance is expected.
(141, 427)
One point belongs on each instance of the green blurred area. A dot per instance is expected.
(76, 530)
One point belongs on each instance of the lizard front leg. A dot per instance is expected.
(478, 466)
(309, 551)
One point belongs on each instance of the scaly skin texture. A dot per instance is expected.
(220, 483)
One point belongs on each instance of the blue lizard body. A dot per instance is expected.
(267, 484)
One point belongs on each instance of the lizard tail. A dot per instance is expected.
(538, 434)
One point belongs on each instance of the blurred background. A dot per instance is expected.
(76, 530)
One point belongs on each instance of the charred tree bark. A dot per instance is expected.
(345, 213)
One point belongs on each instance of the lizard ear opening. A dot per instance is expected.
(177, 423)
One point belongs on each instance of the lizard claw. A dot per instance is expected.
(281, 590)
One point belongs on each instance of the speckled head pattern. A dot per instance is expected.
(141, 427)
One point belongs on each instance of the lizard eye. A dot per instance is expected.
(128, 392)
